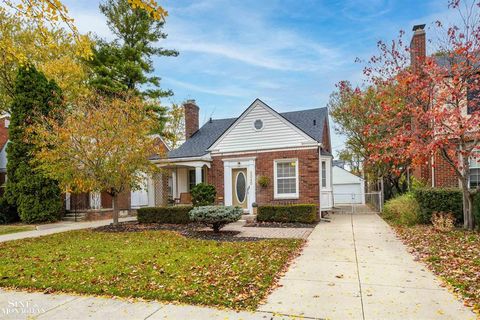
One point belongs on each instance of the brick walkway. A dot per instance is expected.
(257, 232)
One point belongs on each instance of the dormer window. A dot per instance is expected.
(258, 124)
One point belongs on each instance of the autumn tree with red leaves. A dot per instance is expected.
(431, 108)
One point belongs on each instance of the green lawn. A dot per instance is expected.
(159, 265)
(14, 228)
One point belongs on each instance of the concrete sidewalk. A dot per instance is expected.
(23, 305)
(46, 229)
(356, 268)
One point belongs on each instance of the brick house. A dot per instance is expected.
(437, 172)
(289, 151)
(97, 205)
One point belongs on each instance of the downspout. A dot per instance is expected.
(433, 171)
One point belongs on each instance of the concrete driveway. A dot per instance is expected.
(355, 268)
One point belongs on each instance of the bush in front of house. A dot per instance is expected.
(433, 200)
(203, 195)
(173, 215)
(402, 210)
(215, 217)
(300, 213)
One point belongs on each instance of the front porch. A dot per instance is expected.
(183, 176)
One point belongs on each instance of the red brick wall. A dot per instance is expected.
(123, 200)
(308, 175)
(444, 173)
(422, 173)
(3, 131)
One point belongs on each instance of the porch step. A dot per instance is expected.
(249, 217)
(70, 216)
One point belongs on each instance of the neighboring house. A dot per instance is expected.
(4, 122)
(292, 150)
(98, 205)
(437, 172)
(347, 187)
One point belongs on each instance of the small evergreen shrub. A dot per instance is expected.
(215, 217)
(301, 213)
(402, 210)
(433, 200)
(173, 215)
(203, 195)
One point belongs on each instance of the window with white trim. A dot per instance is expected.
(324, 174)
(286, 178)
(474, 179)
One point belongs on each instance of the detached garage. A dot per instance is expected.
(347, 187)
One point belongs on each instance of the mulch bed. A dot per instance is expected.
(280, 225)
(192, 230)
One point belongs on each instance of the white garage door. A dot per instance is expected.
(347, 193)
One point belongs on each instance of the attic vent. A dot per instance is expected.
(258, 125)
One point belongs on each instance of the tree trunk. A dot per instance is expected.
(115, 213)
(468, 222)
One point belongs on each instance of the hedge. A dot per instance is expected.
(402, 210)
(304, 213)
(176, 215)
(441, 200)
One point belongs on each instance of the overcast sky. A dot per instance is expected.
(290, 54)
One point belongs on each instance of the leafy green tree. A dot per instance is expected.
(126, 64)
(36, 197)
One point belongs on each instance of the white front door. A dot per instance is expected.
(239, 182)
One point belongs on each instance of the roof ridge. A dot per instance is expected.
(303, 110)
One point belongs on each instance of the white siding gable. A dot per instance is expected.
(277, 132)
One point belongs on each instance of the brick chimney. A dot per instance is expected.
(418, 49)
(191, 117)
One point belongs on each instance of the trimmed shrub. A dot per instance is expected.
(215, 216)
(439, 200)
(174, 215)
(302, 213)
(203, 195)
(402, 210)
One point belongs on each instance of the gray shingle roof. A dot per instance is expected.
(198, 144)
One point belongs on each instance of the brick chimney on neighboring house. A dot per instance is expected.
(191, 117)
(418, 48)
